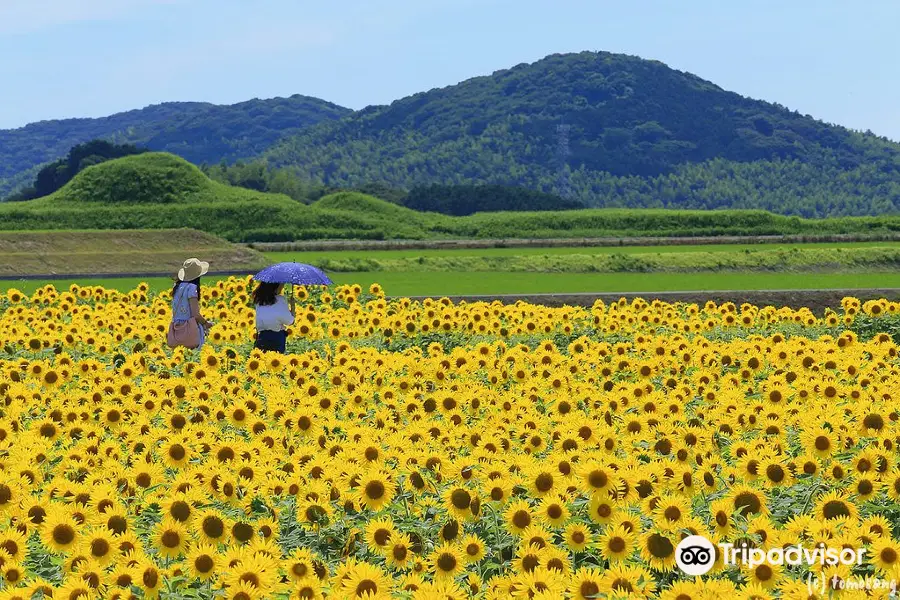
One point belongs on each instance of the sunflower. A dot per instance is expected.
(885, 554)
(658, 549)
(586, 583)
(601, 508)
(458, 502)
(75, 589)
(100, 545)
(260, 574)
(621, 579)
(379, 533)
(170, 538)
(835, 506)
(747, 501)
(211, 527)
(617, 544)
(446, 561)
(148, 577)
(518, 516)
(375, 490)
(203, 562)
(399, 552)
(577, 537)
(363, 580)
(686, 590)
(553, 511)
(473, 549)
(59, 531)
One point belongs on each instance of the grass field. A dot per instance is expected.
(463, 273)
(492, 283)
(313, 256)
(133, 251)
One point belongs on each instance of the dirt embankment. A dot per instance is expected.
(815, 300)
(339, 245)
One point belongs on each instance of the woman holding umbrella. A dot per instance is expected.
(273, 314)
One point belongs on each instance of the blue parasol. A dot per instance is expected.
(293, 273)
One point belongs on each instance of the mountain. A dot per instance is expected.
(637, 134)
(199, 132)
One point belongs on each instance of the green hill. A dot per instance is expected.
(199, 132)
(640, 135)
(163, 191)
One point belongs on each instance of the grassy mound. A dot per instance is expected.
(154, 178)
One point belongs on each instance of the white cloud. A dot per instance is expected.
(28, 16)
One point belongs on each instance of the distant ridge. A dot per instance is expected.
(639, 134)
(197, 131)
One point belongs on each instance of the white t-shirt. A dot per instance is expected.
(274, 317)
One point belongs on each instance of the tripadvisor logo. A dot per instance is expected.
(695, 555)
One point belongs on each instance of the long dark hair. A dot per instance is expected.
(178, 282)
(264, 294)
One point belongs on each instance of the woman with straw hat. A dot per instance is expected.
(188, 327)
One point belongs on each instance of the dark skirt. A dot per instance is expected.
(271, 341)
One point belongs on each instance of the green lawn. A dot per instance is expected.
(439, 284)
(313, 256)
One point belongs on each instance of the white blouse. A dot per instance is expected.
(274, 317)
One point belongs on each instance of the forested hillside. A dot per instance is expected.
(199, 132)
(639, 135)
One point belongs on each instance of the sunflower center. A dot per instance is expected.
(616, 545)
(461, 499)
(180, 511)
(366, 586)
(399, 552)
(213, 527)
(63, 534)
(150, 579)
(117, 524)
(747, 502)
(382, 537)
(251, 578)
(673, 513)
(100, 548)
(775, 473)
(203, 564)
(170, 539)
(835, 509)
(589, 589)
(597, 479)
(446, 562)
(660, 546)
(375, 490)
(544, 482)
(521, 519)
(177, 452)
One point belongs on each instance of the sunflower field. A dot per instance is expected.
(437, 450)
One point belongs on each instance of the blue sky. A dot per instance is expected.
(833, 59)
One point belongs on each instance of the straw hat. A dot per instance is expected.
(192, 269)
